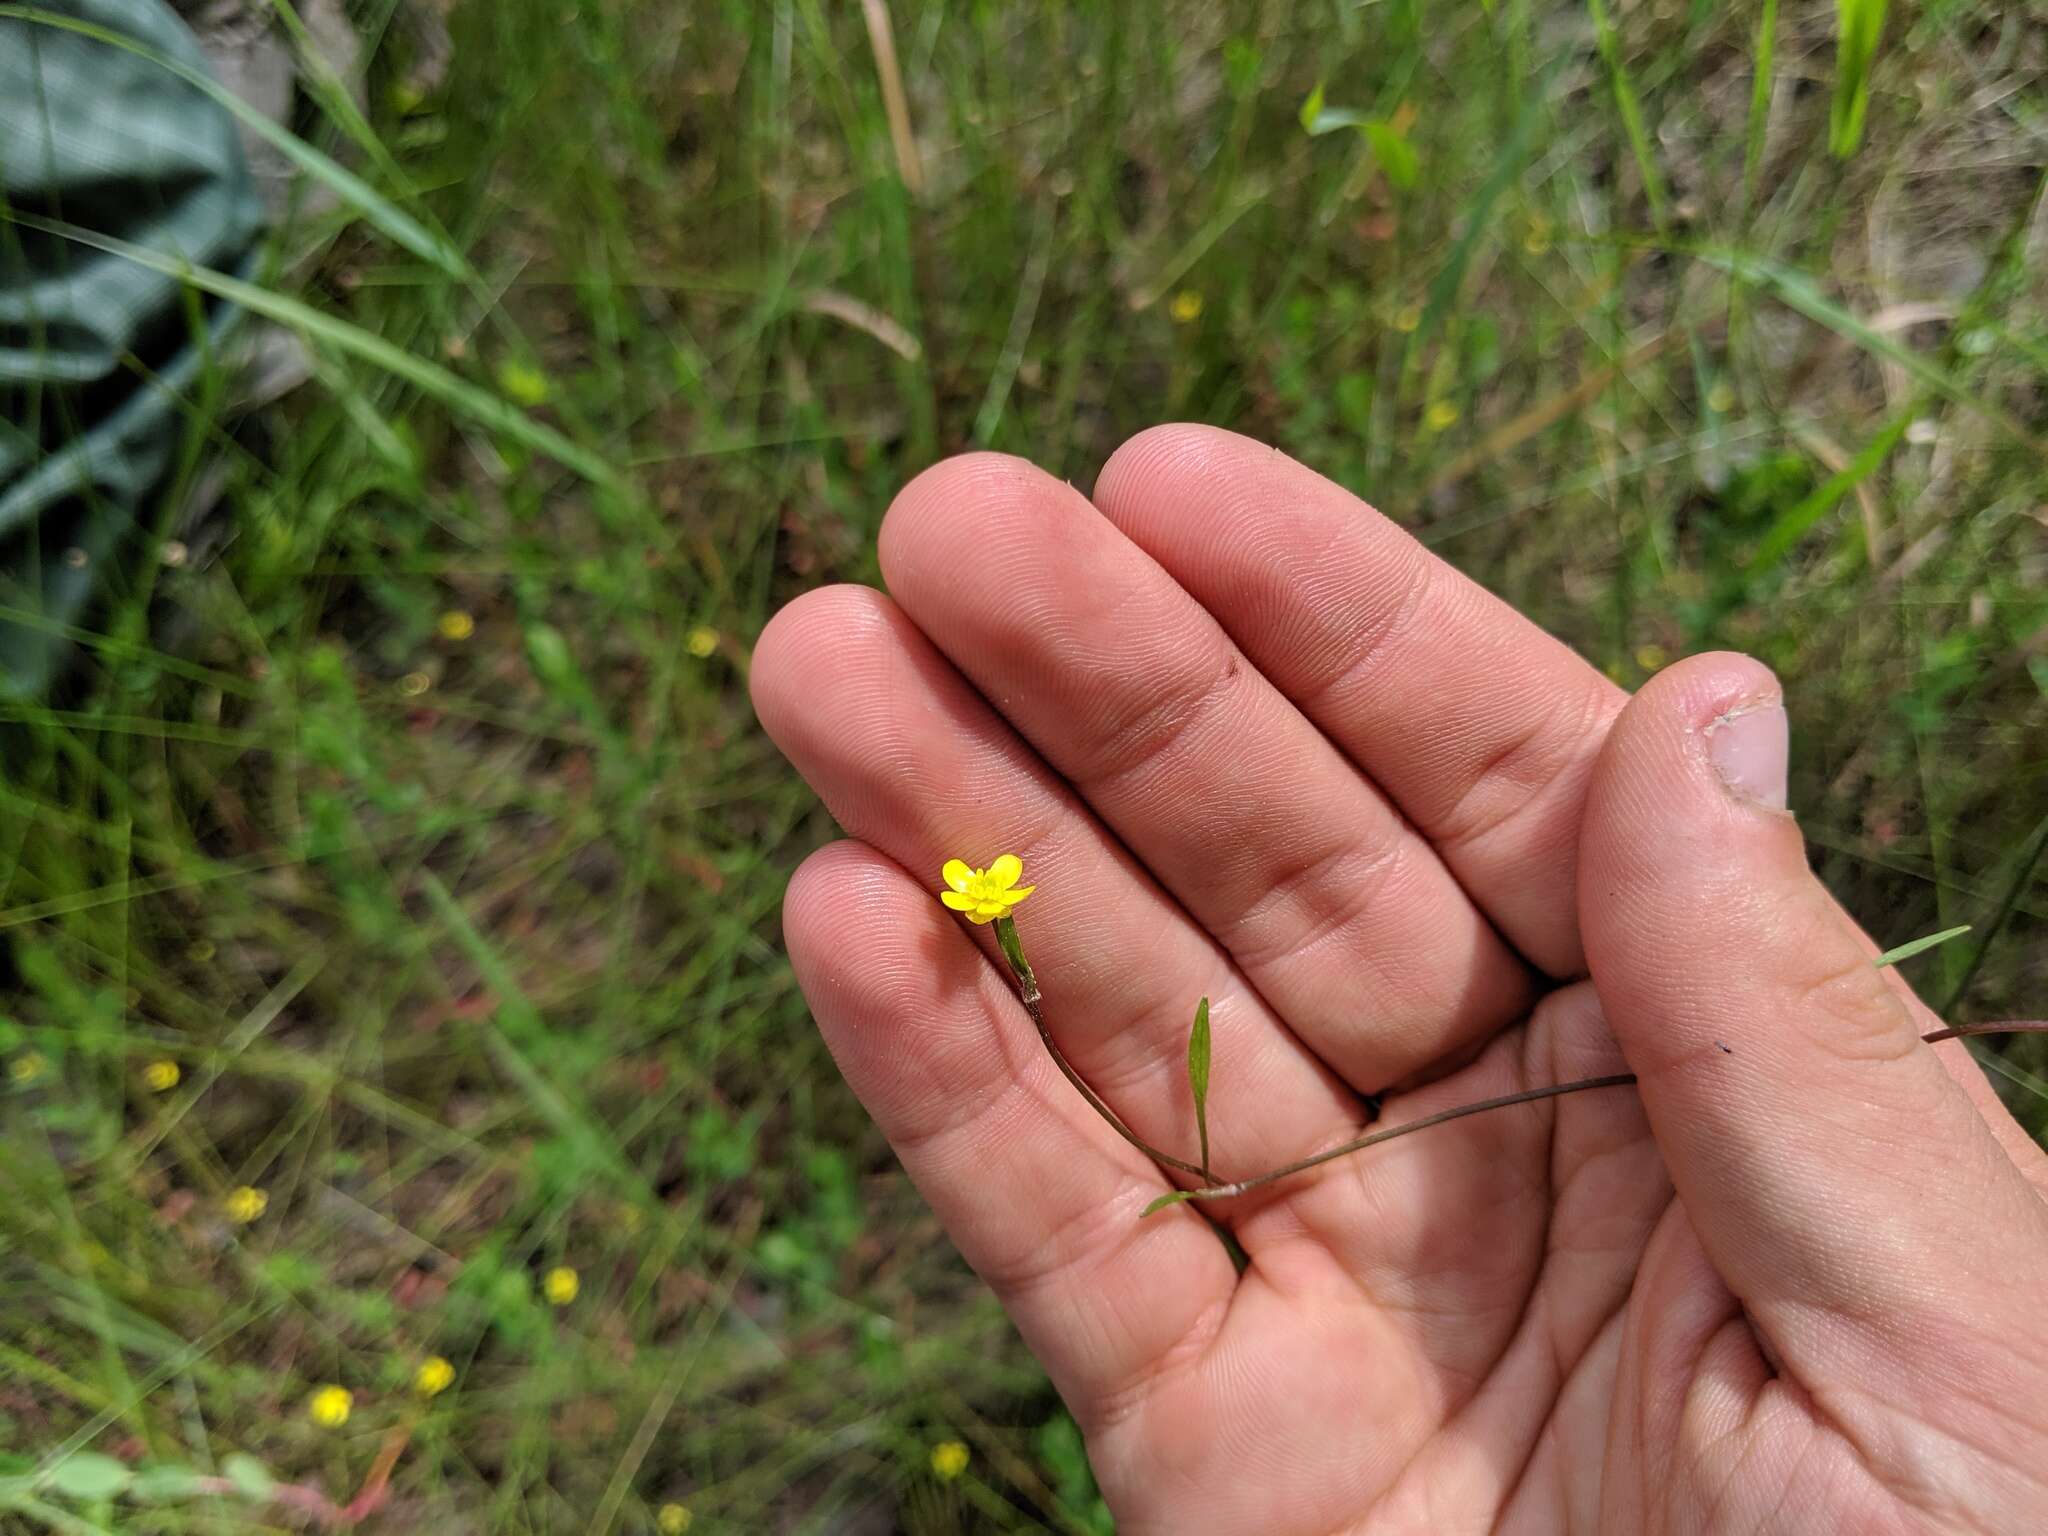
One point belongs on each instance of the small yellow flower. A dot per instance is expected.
(329, 1406)
(413, 684)
(1186, 307)
(1721, 399)
(1537, 240)
(703, 641)
(244, 1205)
(1408, 317)
(433, 1377)
(455, 625)
(984, 894)
(27, 1067)
(1440, 415)
(1651, 657)
(673, 1520)
(561, 1285)
(161, 1076)
(199, 951)
(949, 1459)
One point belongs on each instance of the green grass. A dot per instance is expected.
(467, 948)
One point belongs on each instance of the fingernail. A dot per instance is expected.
(1750, 747)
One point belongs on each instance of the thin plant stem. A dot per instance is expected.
(1027, 991)
(1034, 1005)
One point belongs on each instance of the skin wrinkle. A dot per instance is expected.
(1125, 747)
(1879, 1445)
(1452, 833)
(1367, 870)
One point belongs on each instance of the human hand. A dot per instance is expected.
(1254, 742)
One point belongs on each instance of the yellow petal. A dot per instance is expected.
(956, 874)
(984, 915)
(1005, 871)
(1017, 895)
(956, 901)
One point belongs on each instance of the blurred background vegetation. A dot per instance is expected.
(409, 806)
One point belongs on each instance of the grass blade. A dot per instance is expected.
(1795, 522)
(457, 394)
(1799, 291)
(1631, 110)
(1759, 100)
(377, 210)
(1859, 23)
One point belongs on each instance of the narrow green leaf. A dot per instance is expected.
(1175, 1198)
(1198, 1076)
(430, 379)
(1801, 292)
(1312, 109)
(251, 1478)
(1919, 946)
(1631, 110)
(1796, 522)
(379, 211)
(89, 1475)
(1759, 98)
(164, 1484)
(1858, 26)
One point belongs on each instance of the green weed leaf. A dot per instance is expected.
(1395, 155)
(1919, 946)
(251, 1478)
(1198, 1076)
(161, 1485)
(1312, 111)
(89, 1475)
(1175, 1198)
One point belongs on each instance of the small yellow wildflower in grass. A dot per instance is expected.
(673, 1520)
(1721, 399)
(1440, 415)
(561, 1285)
(1186, 307)
(244, 1205)
(949, 1459)
(455, 625)
(27, 1067)
(161, 1076)
(1651, 657)
(524, 383)
(329, 1406)
(433, 1377)
(1407, 318)
(199, 951)
(984, 894)
(702, 641)
(413, 684)
(1537, 240)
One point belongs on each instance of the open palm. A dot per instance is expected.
(1254, 743)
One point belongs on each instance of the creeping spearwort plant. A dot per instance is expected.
(990, 895)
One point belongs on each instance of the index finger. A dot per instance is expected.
(1478, 725)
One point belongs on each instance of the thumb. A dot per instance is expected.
(1836, 1173)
